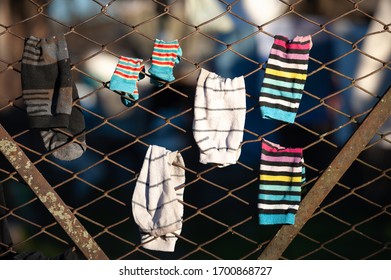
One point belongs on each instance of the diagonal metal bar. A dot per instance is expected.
(52, 201)
(330, 177)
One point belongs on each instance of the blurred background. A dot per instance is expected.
(349, 71)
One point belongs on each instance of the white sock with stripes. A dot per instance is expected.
(219, 116)
(156, 199)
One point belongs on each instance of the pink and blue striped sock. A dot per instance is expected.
(125, 78)
(285, 76)
(281, 176)
(164, 57)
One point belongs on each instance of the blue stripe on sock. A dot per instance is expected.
(163, 59)
(275, 197)
(276, 219)
(128, 63)
(277, 114)
(158, 50)
(281, 93)
(283, 84)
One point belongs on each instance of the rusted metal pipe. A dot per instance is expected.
(330, 177)
(52, 201)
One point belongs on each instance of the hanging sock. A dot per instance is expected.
(125, 78)
(165, 56)
(156, 205)
(48, 92)
(219, 116)
(285, 77)
(282, 174)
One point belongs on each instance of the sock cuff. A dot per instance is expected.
(164, 244)
(45, 122)
(303, 43)
(277, 219)
(43, 51)
(223, 157)
(168, 47)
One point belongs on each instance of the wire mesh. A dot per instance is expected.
(349, 70)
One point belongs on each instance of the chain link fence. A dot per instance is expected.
(349, 72)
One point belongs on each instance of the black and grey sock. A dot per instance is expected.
(49, 92)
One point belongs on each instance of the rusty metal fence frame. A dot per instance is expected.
(319, 185)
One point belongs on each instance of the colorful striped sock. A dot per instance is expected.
(164, 57)
(285, 76)
(281, 176)
(125, 78)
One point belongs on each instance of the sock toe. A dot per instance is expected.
(70, 151)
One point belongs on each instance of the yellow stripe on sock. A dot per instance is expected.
(286, 74)
(295, 179)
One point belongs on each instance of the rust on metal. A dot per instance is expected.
(49, 197)
(330, 177)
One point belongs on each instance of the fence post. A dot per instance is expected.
(47, 195)
(330, 177)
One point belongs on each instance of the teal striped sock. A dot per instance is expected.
(165, 56)
(125, 78)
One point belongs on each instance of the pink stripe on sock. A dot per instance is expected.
(282, 149)
(289, 55)
(292, 45)
(281, 159)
